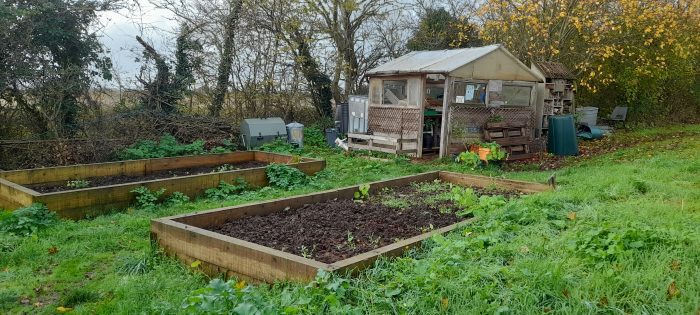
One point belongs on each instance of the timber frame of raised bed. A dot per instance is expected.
(185, 236)
(86, 202)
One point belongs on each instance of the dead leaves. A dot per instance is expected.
(672, 290)
(53, 250)
(571, 216)
(675, 265)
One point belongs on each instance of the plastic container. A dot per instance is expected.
(295, 134)
(561, 138)
(331, 135)
(587, 115)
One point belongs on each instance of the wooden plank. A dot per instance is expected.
(484, 181)
(51, 175)
(444, 133)
(14, 196)
(252, 260)
(207, 160)
(512, 141)
(365, 260)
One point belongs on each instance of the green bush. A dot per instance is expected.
(147, 199)
(167, 146)
(285, 176)
(28, 220)
(314, 137)
(225, 190)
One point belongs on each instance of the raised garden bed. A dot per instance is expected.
(292, 238)
(110, 184)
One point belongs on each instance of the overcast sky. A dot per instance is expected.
(121, 27)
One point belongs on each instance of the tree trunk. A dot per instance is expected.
(224, 68)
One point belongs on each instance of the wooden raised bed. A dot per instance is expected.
(80, 203)
(186, 236)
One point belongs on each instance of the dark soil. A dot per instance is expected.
(334, 230)
(113, 180)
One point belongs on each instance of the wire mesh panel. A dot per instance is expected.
(466, 122)
(394, 121)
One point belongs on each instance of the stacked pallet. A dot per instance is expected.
(515, 138)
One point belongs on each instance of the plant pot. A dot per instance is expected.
(483, 153)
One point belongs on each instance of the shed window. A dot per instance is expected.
(469, 93)
(395, 92)
(511, 95)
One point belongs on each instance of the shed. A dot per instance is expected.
(436, 101)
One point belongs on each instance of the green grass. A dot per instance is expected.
(636, 231)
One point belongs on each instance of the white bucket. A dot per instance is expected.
(587, 115)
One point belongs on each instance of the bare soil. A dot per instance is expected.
(122, 179)
(337, 229)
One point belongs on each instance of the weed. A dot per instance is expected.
(609, 242)
(147, 199)
(279, 146)
(374, 241)
(79, 296)
(640, 186)
(396, 203)
(362, 192)
(429, 187)
(224, 168)
(226, 191)
(307, 252)
(350, 241)
(78, 184)
(286, 177)
(470, 159)
(177, 199)
(166, 147)
(28, 220)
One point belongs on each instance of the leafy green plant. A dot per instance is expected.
(279, 146)
(327, 294)
(166, 147)
(396, 203)
(226, 191)
(177, 199)
(496, 152)
(314, 137)
(495, 118)
(362, 193)
(224, 168)
(470, 159)
(78, 184)
(464, 197)
(609, 242)
(147, 199)
(28, 220)
(285, 177)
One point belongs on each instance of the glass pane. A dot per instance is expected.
(395, 92)
(469, 93)
(511, 95)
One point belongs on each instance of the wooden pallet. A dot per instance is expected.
(513, 137)
(381, 143)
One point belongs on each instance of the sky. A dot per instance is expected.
(120, 28)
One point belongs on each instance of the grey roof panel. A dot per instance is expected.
(437, 61)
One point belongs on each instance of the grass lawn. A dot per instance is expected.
(621, 234)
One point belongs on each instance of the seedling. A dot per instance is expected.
(362, 193)
(224, 168)
(306, 252)
(78, 183)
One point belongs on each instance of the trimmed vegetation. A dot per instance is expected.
(620, 235)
